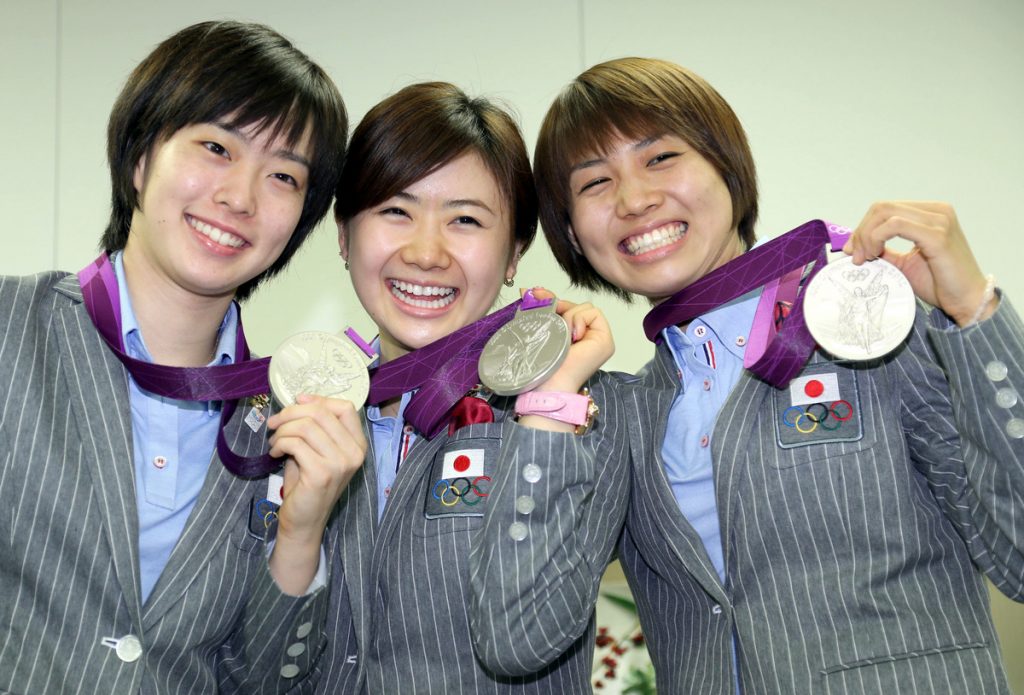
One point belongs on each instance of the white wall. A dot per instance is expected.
(844, 103)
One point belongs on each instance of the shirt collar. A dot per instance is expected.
(724, 324)
(131, 333)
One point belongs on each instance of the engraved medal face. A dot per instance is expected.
(320, 364)
(859, 312)
(524, 352)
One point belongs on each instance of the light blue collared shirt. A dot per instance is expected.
(392, 440)
(172, 441)
(709, 359)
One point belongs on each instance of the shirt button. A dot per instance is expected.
(407, 429)
(296, 649)
(707, 384)
(700, 331)
(741, 340)
(303, 630)
(1015, 428)
(159, 461)
(289, 671)
(704, 441)
(387, 491)
(995, 370)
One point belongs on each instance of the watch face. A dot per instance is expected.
(318, 364)
(525, 352)
(859, 312)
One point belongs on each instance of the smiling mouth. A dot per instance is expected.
(422, 296)
(654, 239)
(214, 234)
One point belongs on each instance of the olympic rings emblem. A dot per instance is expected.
(266, 509)
(460, 493)
(830, 417)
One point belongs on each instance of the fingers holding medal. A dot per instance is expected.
(941, 267)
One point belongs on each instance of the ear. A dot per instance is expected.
(139, 174)
(343, 240)
(513, 263)
(572, 239)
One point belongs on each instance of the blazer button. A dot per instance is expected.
(995, 370)
(127, 648)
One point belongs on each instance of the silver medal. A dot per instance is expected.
(524, 352)
(859, 312)
(319, 364)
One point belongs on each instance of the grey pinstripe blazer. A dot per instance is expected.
(852, 564)
(69, 562)
(430, 601)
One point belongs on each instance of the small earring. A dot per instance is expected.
(346, 265)
(510, 281)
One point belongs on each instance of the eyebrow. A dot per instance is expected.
(456, 203)
(636, 146)
(290, 155)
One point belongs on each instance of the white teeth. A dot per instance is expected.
(656, 238)
(408, 292)
(218, 236)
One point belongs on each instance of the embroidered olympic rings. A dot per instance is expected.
(838, 412)
(458, 493)
(268, 513)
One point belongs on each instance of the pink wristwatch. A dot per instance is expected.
(572, 408)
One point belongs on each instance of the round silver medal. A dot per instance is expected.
(859, 312)
(320, 364)
(524, 352)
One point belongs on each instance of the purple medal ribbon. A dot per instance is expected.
(784, 356)
(443, 371)
(225, 383)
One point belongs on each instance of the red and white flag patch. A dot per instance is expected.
(819, 388)
(468, 463)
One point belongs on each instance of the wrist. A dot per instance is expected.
(987, 305)
(573, 409)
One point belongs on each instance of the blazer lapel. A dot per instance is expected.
(355, 534)
(223, 504)
(657, 505)
(732, 439)
(98, 388)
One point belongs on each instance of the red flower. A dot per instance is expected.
(609, 662)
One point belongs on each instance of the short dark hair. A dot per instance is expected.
(240, 74)
(636, 98)
(420, 129)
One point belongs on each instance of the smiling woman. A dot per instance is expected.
(824, 533)
(448, 543)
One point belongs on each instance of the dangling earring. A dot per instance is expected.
(346, 265)
(510, 281)
(346, 261)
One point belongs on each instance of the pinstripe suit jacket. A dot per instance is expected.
(852, 566)
(428, 602)
(69, 566)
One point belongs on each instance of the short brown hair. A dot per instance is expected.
(242, 74)
(636, 98)
(423, 127)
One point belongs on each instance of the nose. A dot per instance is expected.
(636, 197)
(237, 191)
(427, 248)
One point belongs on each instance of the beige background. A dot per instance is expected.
(845, 103)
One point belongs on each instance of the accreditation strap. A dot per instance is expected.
(226, 383)
(776, 265)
